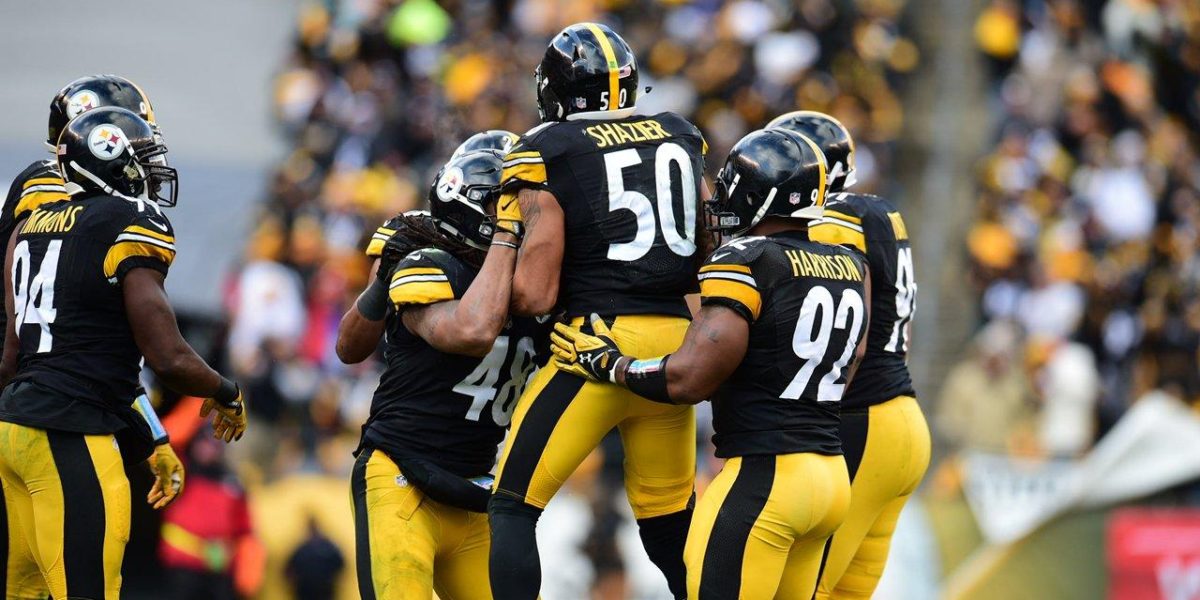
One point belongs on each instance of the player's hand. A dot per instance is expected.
(508, 216)
(168, 476)
(594, 357)
(229, 420)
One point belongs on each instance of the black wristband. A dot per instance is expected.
(373, 302)
(165, 439)
(228, 394)
(648, 379)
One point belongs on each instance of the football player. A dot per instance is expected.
(781, 324)
(454, 372)
(41, 183)
(610, 203)
(884, 434)
(85, 301)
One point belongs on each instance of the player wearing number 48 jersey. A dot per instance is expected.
(884, 435)
(455, 367)
(781, 323)
(610, 203)
(87, 304)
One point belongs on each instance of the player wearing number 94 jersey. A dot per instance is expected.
(454, 371)
(610, 203)
(884, 435)
(86, 290)
(782, 319)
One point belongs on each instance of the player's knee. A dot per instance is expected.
(657, 497)
(504, 507)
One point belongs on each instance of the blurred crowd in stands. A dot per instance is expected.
(374, 97)
(1085, 251)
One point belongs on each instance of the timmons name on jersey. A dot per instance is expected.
(615, 134)
(839, 267)
(44, 221)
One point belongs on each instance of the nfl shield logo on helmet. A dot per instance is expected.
(107, 142)
(795, 198)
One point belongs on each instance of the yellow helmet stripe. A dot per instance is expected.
(821, 159)
(614, 89)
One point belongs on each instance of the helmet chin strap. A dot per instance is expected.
(141, 199)
(762, 210)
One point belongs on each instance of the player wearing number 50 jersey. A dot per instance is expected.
(86, 304)
(781, 323)
(610, 202)
(884, 435)
(454, 371)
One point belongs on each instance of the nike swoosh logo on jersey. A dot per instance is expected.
(720, 256)
(161, 226)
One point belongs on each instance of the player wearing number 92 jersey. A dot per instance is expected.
(626, 190)
(884, 435)
(781, 324)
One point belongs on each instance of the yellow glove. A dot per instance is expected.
(168, 476)
(229, 421)
(508, 215)
(594, 357)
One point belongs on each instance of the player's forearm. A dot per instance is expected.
(535, 280)
(358, 336)
(483, 310)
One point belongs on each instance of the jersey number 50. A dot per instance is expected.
(620, 198)
(34, 299)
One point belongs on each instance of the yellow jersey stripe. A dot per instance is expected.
(42, 181)
(898, 226)
(528, 154)
(614, 88)
(843, 216)
(837, 235)
(421, 292)
(417, 271)
(720, 267)
(734, 290)
(375, 248)
(531, 172)
(121, 251)
(158, 235)
(32, 200)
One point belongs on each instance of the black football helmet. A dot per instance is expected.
(461, 193)
(112, 150)
(95, 91)
(831, 136)
(586, 68)
(492, 139)
(770, 172)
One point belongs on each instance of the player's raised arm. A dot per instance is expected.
(535, 282)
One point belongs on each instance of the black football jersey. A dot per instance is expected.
(872, 225)
(78, 364)
(447, 408)
(805, 304)
(40, 183)
(630, 194)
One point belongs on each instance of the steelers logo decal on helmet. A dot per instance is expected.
(450, 184)
(81, 102)
(106, 142)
